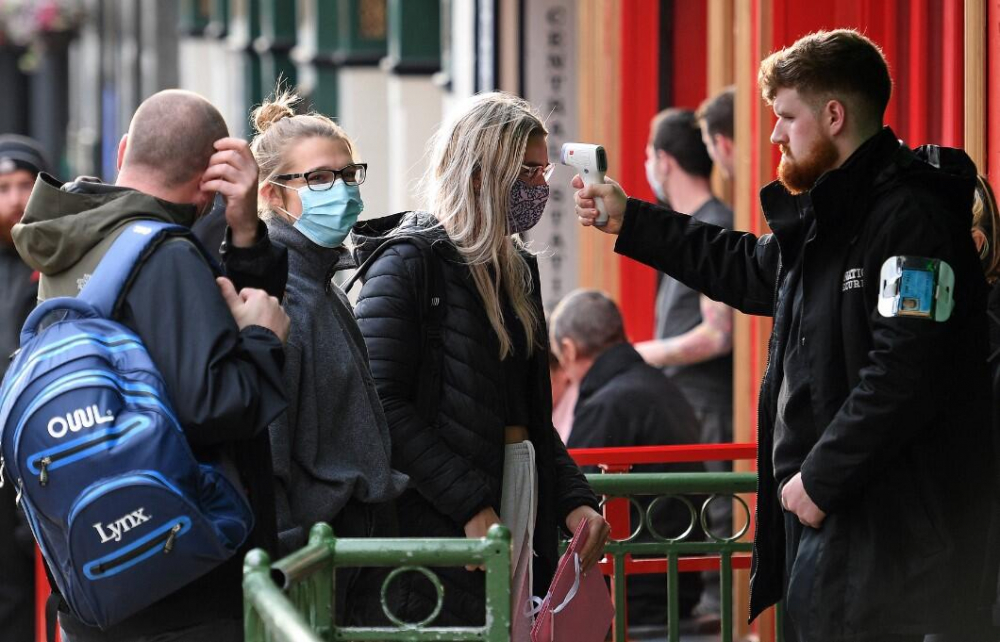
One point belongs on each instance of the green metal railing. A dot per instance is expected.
(622, 490)
(292, 600)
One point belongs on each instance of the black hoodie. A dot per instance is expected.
(225, 383)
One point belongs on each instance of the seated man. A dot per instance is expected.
(219, 354)
(623, 401)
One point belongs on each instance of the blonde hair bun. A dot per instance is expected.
(282, 105)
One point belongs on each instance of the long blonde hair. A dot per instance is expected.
(485, 144)
(278, 127)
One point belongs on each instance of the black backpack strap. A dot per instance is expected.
(427, 393)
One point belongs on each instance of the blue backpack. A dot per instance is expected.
(122, 511)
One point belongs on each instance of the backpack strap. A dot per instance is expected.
(117, 269)
(427, 394)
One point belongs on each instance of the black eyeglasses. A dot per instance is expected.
(320, 180)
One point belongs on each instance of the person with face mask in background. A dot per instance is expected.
(694, 334)
(492, 432)
(876, 458)
(331, 448)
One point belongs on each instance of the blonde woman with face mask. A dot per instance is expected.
(330, 449)
(489, 453)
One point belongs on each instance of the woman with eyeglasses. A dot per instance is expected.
(330, 449)
(488, 452)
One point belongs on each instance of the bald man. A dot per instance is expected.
(219, 351)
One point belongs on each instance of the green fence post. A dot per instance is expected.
(726, 591)
(498, 598)
(256, 569)
(673, 599)
(619, 595)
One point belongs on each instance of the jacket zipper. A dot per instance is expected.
(43, 463)
(760, 402)
(167, 539)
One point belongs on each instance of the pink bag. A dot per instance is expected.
(577, 607)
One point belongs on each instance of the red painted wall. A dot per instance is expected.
(690, 59)
(640, 69)
(640, 23)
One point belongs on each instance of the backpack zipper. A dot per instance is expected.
(45, 462)
(167, 539)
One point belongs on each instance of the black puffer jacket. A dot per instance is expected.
(903, 461)
(456, 463)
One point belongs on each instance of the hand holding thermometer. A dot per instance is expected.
(591, 163)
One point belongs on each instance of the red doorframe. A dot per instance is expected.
(639, 67)
(639, 70)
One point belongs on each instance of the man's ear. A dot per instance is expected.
(665, 162)
(122, 144)
(834, 117)
(567, 352)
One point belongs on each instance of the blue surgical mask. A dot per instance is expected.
(328, 215)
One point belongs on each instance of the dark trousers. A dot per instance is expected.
(359, 589)
(793, 534)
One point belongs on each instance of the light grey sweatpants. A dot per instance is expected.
(518, 508)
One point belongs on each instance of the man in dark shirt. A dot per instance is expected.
(623, 401)
(21, 159)
(876, 457)
(694, 334)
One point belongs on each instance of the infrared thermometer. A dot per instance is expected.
(591, 163)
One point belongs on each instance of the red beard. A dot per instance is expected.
(800, 175)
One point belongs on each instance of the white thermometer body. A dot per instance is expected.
(591, 163)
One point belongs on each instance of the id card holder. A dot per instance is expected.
(916, 286)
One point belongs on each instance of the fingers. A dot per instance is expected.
(230, 143)
(228, 291)
(594, 550)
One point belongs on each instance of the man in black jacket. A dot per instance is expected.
(219, 353)
(875, 454)
(624, 401)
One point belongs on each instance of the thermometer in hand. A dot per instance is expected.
(591, 163)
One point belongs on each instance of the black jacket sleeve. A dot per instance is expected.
(906, 378)
(264, 265)
(736, 268)
(388, 313)
(224, 383)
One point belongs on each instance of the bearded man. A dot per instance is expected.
(876, 459)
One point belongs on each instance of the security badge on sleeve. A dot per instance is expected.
(916, 286)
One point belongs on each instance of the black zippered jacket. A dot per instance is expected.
(455, 463)
(903, 460)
